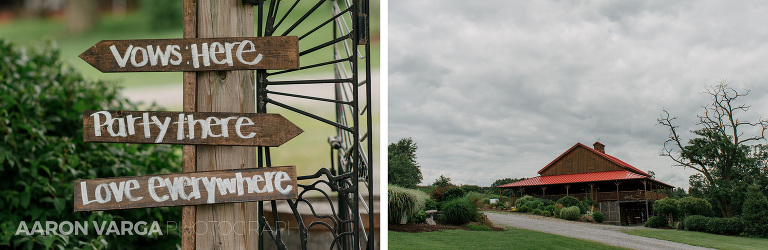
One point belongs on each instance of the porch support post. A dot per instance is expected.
(543, 191)
(567, 192)
(592, 191)
(618, 198)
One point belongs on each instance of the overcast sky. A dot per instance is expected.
(498, 89)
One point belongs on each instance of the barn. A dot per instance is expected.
(625, 194)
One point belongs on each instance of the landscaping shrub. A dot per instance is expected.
(586, 205)
(42, 152)
(500, 206)
(452, 193)
(430, 204)
(403, 203)
(599, 217)
(533, 203)
(558, 209)
(550, 208)
(755, 212)
(418, 217)
(546, 213)
(458, 212)
(587, 218)
(568, 201)
(657, 221)
(523, 209)
(728, 226)
(694, 206)
(437, 194)
(667, 206)
(521, 201)
(570, 213)
(475, 198)
(536, 211)
(696, 223)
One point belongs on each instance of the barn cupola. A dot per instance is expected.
(599, 147)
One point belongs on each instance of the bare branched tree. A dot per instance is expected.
(721, 146)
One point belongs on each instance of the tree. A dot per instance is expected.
(756, 212)
(442, 181)
(667, 207)
(507, 191)
(721, 151)
(403, 169)
(678, 192)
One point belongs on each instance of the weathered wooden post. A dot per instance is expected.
(218, 129)
(225, 91)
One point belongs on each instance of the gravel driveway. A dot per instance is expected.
(607, 234)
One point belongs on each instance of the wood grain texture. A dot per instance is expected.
(269, 130)
(231, 53)
(143, 190)
(226, 91)
(581, 160)
(189, 152)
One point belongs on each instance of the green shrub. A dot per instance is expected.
(403, 203)
(430, 204)
(696, 223)
(550, 208)
(458, 212)
(558, 209)
(667, 207)
(418, 217)
(694, 206)
(568, 201)
(570, 213)
(453, 193)
(546, 213)
(599, 217)
(42, 152)
(657, 221)
(523, 209)
(521, 201)
(500, 206)
(536, 211)
(755, 212)
(533, 203)
(586, 204)
(728, 226)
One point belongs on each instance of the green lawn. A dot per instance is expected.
(513, 238)
(702, 239)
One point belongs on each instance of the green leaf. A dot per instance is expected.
(24, 199)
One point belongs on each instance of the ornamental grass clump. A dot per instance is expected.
(570, 213)
(403, 203)
(458, 212)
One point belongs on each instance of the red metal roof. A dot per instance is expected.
(577, 178)
(607, 156)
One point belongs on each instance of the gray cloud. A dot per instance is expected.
(498, 89)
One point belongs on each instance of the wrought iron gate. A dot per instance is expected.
(333, 37)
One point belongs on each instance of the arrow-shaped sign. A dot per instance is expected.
(188, 128)
(197, 188)
(194, 54)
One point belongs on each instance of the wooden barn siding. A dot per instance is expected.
(579, 160)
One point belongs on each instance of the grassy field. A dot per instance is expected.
(514, 238)
(702, 239)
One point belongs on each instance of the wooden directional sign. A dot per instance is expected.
(194, 54)
(195, 188)
(189, 128)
